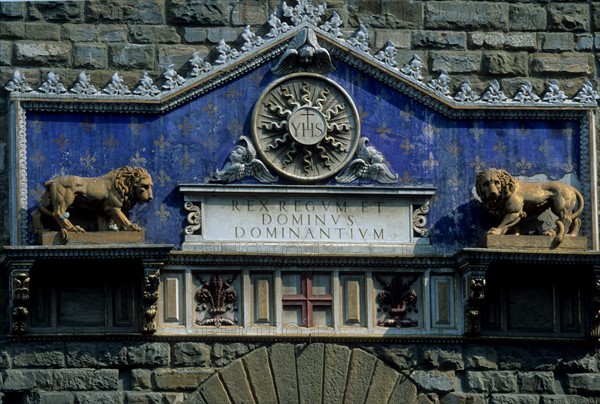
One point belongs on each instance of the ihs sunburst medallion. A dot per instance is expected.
(306, 127)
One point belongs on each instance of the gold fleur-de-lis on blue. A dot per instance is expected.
(430, 129)
(568, 167)
(135, 126)
(478, 165)
(362, 113)
(358, 80)
(137, 160)
(37, 159)
(62, 141)
(523, 132)
(235, 127)
(454, 181)
(233, 93)
(210, 109)
(185, 127)
(544, 148)
(86, 125)
(162, 213)
(406, 114)
(187, 160)
(88, 160)
(161, 143)
(256, 78)
(37, 125)
(111, 142)
(407, 146)
(500, 147)
(38, 192)
(476, 131)
(523, 165)
(383, 130)
(430, 164)
(454, 149)
(568, 131)
(162, 178)
(406, 178)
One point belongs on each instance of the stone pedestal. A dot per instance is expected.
(532, 243)
(92, 238)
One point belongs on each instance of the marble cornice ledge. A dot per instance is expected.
(105, 251)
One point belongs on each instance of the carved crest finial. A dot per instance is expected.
(304, 54)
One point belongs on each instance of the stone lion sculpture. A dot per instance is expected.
(110, 195)
(512, 200)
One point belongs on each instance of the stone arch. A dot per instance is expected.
(313, 373)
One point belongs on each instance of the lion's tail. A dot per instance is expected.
(579, 205)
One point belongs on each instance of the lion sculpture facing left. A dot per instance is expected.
(110, 195)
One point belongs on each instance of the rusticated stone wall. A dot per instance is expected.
(511, 41)
(202, 372)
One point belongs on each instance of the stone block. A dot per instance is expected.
(222, 354)
(442, 359)
(259, 374)
(99, 397)
(492, 381)
(514, 399)
(42, 53)
(595, 10)
(536, 382)
(556, 41)
(27, 379)
(400, 39)
(566, 399)
(584, 383)
(180, 379)
(178, 55)
(479, 357)
(11, 10)
(198, 12)
(505, 41)
(79, 32)
(131, 56)
(191, 354)
(568, 17)
(335, 371)
(439, 40)
(112, 33)
(50, 397)
(456, 62)
(359, 376)
(283, 361)
(44, 356)
(70, 11)
(253, 13)
(151, 353)
(5, 53)
(527, 17)
(383, 383)
(86, 379)
(464, 15)
(41, 31)
(95, 56)
(229, 35)
(434, 380)
(505, 63)
(91, 237)
(309, 361)
(463, 398)
(153, 34)
(404, 392)
(402, 356)
(194, 34)
(213, 391)
(141, 379)
(12, 30)
(584, 42)
(532, 243)
(144, 398)
(403, 13)
(235, 381)
(587, 364)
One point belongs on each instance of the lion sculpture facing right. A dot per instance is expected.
(111, 195)
(512, 200)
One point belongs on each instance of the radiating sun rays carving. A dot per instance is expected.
(306, 127)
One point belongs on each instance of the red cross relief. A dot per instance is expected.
(306, 300)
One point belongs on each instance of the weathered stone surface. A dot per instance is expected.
(309, 360)
(527, 17)
(12, 10)
(191, 354)
(283, 360)
(51, 397)
(42, 53)
(514, 399)
(178, 55)
(180, 379)
(79, 32)
(433, 380)
(505, 63)
(335, 372)
(26, 379)
(112, 354)
(382, 384)
(566, 399)
(568, 16)
(99, 397)
(556, 41)
(439, 40)
(595, 7)
(404, 392)
(463, 398)
(229, 35)
(403, 357)
(587, 364)
(44, 356)
(492, 381)
(260, 376)
(500, 40)
(153, 34)
(92, 56)
(86, 379)
(70, 11)
(200, 12)
(443, 359)
(223, 354)
(141, 379)
(466, 15)
(359, 376)
(112, 33)
(400, 39)
(456, 62)
(536, 382)
(584, 42)
(249, 13)
(5, 53)
(481, 358)
(132, 11)
(194, 34)
(566, 63)
(151, 354)
(41, 31)
(143, 398)
(213, 391)
(390, 14)
(584, 383)
(236, 382)
(132, 56)
(12, 30)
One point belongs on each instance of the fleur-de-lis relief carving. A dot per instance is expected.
(217, 297)
(397, 299)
